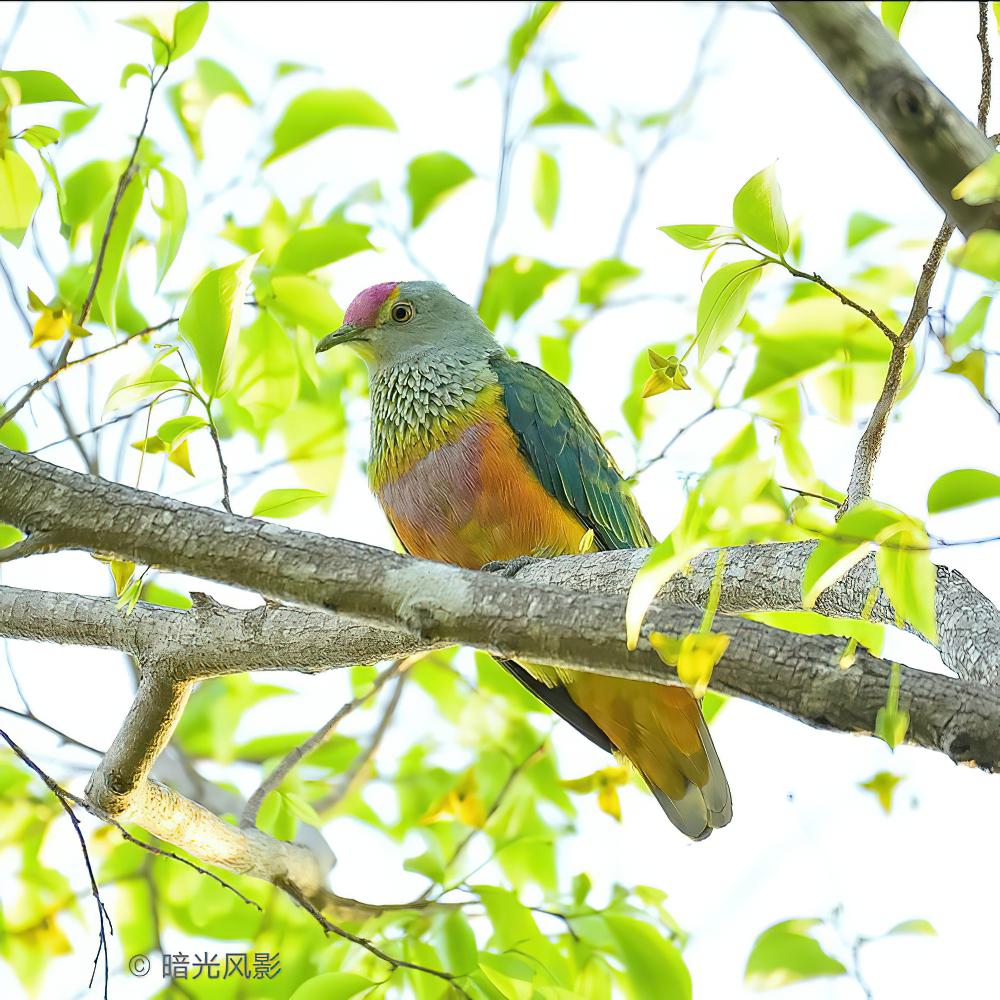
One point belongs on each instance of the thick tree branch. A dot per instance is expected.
(567, 612)
(935, 140)
(434, 604)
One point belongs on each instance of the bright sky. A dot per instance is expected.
(804, 838)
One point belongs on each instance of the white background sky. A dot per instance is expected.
(804, 838)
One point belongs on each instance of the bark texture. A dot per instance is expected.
(933, 138)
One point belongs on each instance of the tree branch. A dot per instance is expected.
(566, 612)
(935, 140)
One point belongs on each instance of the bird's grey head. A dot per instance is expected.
(401, 321)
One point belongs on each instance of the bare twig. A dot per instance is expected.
(275, 778)
(987, 78)
(29, 716)
(515, 773)
(54, 372)
(360, 762)
(869, 314)
(390, 960)
(870, 443)
(668, 131)
(64, 799)
(224, 472)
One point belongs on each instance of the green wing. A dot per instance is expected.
(567, 454)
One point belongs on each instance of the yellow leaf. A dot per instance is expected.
(698, 656)
(181, 457)
(667, 647)
(51, 325)
(883, 787)
(462, 803)
(608, 801)
(122, 573)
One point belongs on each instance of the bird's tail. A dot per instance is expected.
(659, 728)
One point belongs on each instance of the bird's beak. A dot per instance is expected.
(347, 334)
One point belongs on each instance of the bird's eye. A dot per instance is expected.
(402, 312)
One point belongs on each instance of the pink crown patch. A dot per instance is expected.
(363, 311)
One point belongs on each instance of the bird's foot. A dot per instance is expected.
(509, 568)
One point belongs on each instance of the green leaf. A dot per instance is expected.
(302, 809)
(970, 325)
(113, 267)
(856, 533)
(318, 111)
(602, 277)
(653, 964)
(555, 356)
(173, 220)
(267, 371)
(286, 503)
(457, 944)
(869, 634)
(191, 99)
(980, 254)
(908, 576)
(861, 226)
(333, 986)
(154, 593)
(430, 178)
(785, 954)
(40, 136)
(514, 286)
(545, 188)
(915, 926)
(699, 237)
(893, 12)
(131, 70)
(757, 211)
(77, 119)
(19, 196)
(304, 301)
(962, 488)
(973, 369)
(211, 322)
(85, 189)
(317, 246)
(135, 388)
(982, 185)
(562, 113)
(829, 562)
(524, 35)
(172, 432)
(40, 87)
(188, 25)
(723, 302)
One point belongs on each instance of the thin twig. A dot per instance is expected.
(214, 432)
(680, 432)
(275, 778)
(870, 444)
(506, 149)
(102, 912)
(29, 716)
(49, 376)
(360, 762)
(818, 279)
(332, 928)
(984, 49)
(515, 773)
(668, 131)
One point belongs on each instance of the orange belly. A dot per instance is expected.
(474, 500)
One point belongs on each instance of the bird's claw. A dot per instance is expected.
(509, 568)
